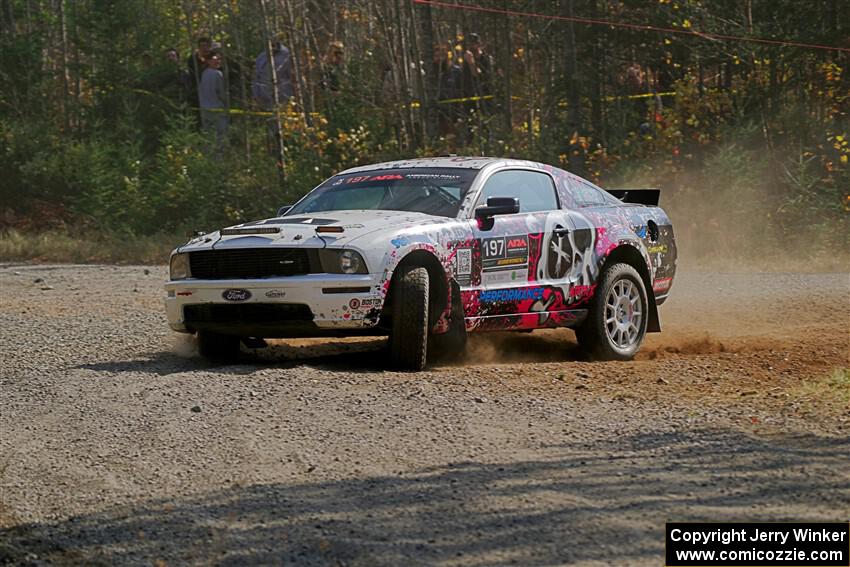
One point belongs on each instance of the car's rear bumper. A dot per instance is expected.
(309, 305)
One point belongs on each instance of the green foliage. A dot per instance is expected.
(749, 140)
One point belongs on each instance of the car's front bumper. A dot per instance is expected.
(307, 305)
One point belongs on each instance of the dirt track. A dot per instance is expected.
(118, 446)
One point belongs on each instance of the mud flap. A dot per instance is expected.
(653, 325)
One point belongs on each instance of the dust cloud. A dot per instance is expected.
(740, 221)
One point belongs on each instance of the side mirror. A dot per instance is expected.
(283, 210)
(495, 206)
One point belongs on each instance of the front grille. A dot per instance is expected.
(247, 263)
(249, 313)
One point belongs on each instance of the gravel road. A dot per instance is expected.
(119, 446)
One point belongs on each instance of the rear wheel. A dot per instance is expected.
(217, 347)
(616, 324)
(409, 334)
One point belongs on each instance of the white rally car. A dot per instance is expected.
(426, 251)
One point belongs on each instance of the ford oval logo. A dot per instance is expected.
(236, 295)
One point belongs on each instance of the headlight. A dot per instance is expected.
(342, 262)
(179, 268)
(350, 262)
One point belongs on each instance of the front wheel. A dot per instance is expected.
(409, 334)
(616, 324)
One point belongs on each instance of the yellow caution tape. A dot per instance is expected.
(413, 103)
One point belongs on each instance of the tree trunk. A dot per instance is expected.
(429, 86)
(7, 23)
(297, 68)
(66, 89)
(507, 64)
(281, 154)
(576, 158)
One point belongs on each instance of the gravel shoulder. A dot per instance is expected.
(119, 446)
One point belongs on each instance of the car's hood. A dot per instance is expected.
(300, 230)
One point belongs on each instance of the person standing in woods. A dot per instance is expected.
(262, 88)
(483, 81)
(195, 65)
(212, 96)
(469, 77)
(449, 88)
(172, 81)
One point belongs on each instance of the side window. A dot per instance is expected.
(586, 195)
(535, 190)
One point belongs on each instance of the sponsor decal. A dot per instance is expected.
(462, 265)
(354, 303)
(184, 293)
(514, 294)
(504, 259)
(236, 295)
(659, 249)
(275, 293)
(582, 292)
(444, 176)
(510, 261)
(392, 177)
(504, 275)
(662, 284)
(357, 179)
(517, 246)
(464, 261)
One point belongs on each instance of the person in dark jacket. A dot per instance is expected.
(262, 88)
(212, 97)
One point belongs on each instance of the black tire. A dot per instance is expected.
(218, 348)
(610, 331)
(409, 334)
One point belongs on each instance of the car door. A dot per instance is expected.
(510, 294)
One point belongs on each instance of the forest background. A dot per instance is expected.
(748, 140)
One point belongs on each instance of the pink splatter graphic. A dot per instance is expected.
(604, 245)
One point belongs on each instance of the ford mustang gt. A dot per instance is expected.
(429, 250)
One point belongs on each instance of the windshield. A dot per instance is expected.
(430, 190)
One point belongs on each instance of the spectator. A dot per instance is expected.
(469, 76)
(173, 82)
(195, 65)
(263, 87)
(450, 78)
(212, 98)
(483, 81)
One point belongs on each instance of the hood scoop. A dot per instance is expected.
(296, 220)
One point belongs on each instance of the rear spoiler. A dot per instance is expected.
(637, 196)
